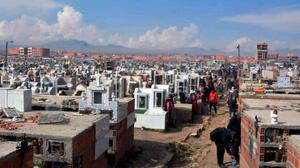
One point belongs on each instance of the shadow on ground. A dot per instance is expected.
(147, 154)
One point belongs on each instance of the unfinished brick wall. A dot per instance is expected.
(84, 147)
(124, 143)
(249, 157)
(124, 139)
(18, 159)
(124, 135)
(293, 154)
(100, 162)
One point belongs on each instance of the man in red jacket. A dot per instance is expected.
(213, 100)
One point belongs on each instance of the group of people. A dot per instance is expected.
(212, 90)
(229, 139)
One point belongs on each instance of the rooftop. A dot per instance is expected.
(7, 148)
(271, 103)
(288, 119)
(77, 124)
(124, 99)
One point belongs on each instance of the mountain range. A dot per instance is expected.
(82, 46)
(77, 45)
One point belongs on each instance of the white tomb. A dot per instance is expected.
(149, 108)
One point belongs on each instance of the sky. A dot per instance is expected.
(154, 24)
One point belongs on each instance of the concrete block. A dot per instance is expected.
(101, 136)
(131, 119)
(152, 121)
(18, 98)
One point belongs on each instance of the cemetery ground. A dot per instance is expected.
(186, 146)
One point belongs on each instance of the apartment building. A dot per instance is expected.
(261, 52)
(30, 52)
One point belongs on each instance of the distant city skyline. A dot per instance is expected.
(155, 24)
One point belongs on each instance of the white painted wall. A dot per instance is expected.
(20, 99)
(153, 121)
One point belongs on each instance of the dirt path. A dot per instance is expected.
(208, 155)
(204, 155)
(153, 149)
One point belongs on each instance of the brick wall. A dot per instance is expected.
(100, 162)
(124, 139)
(293, 152)
(14, 51)
(18, 159)
(84, 146)
(124, 143)
(249, 159)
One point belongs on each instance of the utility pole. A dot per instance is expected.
(6, 53)
(239, 54)
(239, 68)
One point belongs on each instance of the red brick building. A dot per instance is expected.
(220, 58)
(122, 133)
(31, 52)
(13, 52)
(12, 157)
(293, 152)
(273, 57)
(261, 52)
(264, 143)
(82, 141)
(292, 57)
(38, 52)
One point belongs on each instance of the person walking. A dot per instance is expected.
(223, 138)
(232, 101)
(235, 126)
(193, 99)
(220, 88)
(169, 107)
(213, 100)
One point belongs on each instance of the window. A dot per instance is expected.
(169, 79)
(193, 81)
(116, 89)
(158, 99)
(180, 87)
(142, 102)
(132, 86)
(159, 79)
(97, 98)
(193, 84)
(111, 143)
(56, 148)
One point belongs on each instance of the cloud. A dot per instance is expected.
(70, 25)
(15, 7)
(32, 29)
(244, 42)
(156, 38)
(281, 21)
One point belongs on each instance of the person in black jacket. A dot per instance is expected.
(223, 139)
(235, 126)
(232, 101)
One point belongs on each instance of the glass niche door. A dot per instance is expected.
(142, 102)
(158, 99)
